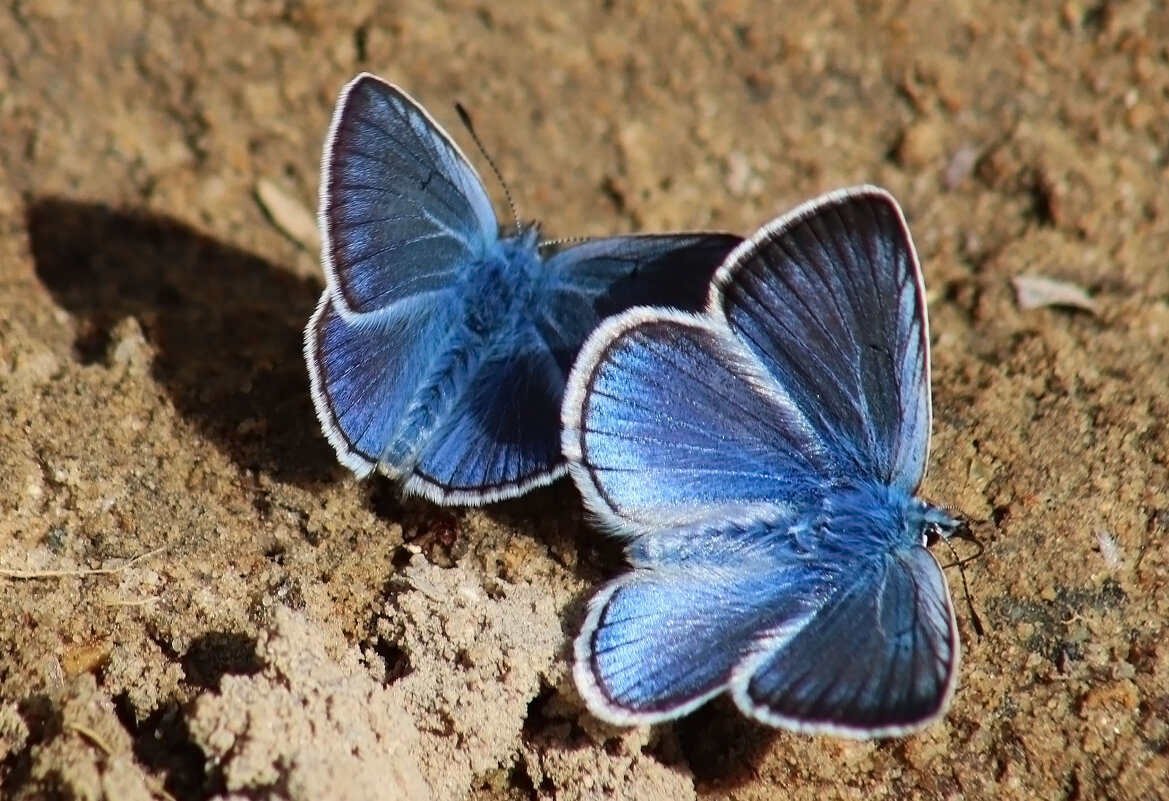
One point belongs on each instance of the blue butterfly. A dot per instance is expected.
(761, 460)
(439, 351)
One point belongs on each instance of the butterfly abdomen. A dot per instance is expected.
(497, 293)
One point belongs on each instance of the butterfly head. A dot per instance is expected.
(527, 234)
(945, 527)
(876, 513)
(937, 523)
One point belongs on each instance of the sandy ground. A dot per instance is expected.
(198, 602)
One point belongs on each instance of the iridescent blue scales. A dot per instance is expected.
(761, 460)
(440, 349)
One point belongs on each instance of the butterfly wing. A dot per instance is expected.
(502, 437)
(668, 421)
(364, 373)
(663, 639)
(830, 299)
(602, 277)
(499, 438)
(878, 659)
(861, 649)
(402, 210)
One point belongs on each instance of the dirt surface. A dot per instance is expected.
(198, 602)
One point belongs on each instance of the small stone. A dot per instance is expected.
(127, 346)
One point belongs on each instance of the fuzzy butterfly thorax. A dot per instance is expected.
(875, 515)
(500, 289)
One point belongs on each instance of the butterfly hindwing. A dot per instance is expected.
(830, 298)
(402, 210)
(664, 638)
(365, 372)
(878, 659)
(502, 436)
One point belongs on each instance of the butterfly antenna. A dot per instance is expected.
(568, 240)
(466, 118)
(964, 534)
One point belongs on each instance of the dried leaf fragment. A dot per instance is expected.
(1035, 292)
(288, 214)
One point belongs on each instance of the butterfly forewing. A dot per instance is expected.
(617, 273)
(670, 422)
(402, 211)
(829, 298)
(601, 277)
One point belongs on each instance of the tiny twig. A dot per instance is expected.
(99, 742)
(13, 573)
(93, 737)
(153, 599)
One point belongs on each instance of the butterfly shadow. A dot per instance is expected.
(721, 746)
(224, 325)
(716, 744)
(552, 516)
